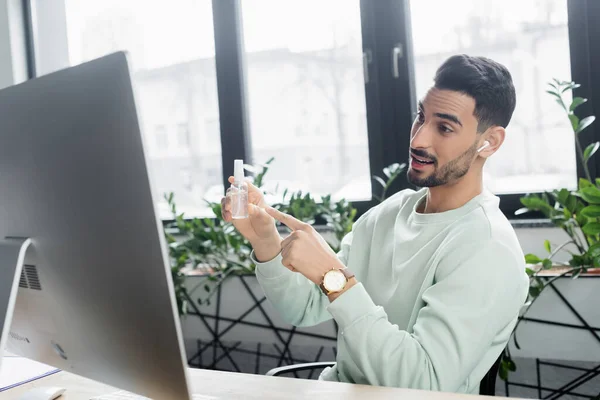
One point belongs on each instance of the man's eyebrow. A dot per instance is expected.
(449, 117)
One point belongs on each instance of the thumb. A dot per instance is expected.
(286, 219)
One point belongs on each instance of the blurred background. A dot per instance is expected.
(304, 66)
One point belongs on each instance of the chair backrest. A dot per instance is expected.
(487, 387)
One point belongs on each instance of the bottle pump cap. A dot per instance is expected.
(238, 171)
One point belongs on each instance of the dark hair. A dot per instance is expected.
(486, 81)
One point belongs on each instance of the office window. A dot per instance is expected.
(183, 135)
(301, 123)
(171, 50)
(304, 74)
(319, 85)
(161, 138)
(532, 40)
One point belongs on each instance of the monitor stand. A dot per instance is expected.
(12, 256)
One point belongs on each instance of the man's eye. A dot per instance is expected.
(445, 129)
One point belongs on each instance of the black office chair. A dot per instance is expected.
(487, 387)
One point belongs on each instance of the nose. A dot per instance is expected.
(421, 137)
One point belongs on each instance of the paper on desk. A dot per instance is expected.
(16, 371)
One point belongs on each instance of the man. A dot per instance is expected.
(439, 276)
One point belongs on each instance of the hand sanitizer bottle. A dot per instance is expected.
(238, 192)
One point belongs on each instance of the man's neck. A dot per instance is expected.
(450, 197)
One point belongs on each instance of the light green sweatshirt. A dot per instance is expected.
(437, 298)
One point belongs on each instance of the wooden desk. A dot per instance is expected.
(215, 385)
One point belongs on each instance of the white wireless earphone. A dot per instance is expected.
(485, 145)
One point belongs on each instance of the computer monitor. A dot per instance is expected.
(95, 297)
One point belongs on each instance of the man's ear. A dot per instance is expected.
(495, 136)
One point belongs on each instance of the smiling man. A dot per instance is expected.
(428, 285)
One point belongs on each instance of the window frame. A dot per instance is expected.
(29, 38)
(390, 100)
(585, 70)
(584, 36)
(231, 84)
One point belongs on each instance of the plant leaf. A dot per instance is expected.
(534, 291)
(587, 121)
(590, 150)
(572, 204)
(548, 246)
(537, 203)
(592, 228)
(577, 101)
(529, 271)
(522, 210)
(583, 183)
(503, 371)
(577, 261)
(571, 86)
(547, 264)
(591, 194)
(594, 250)
(567, 200)
(555, 94)
(591, 211)
(381, 181)
(574, 121)
(532, 259)
(562, 196)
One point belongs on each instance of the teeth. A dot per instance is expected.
(421, 161)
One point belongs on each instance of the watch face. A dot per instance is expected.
(334, 281)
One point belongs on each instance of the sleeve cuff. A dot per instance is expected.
(270, 269)
(351, 306)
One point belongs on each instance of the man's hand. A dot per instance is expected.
(259, 228)
(304, 250)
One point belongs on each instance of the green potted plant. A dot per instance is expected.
(576, 212)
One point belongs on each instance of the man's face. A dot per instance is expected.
(444, 139)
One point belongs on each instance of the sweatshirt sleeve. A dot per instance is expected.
(298, 300)
(478, 292)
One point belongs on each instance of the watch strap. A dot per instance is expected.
(347, 273)
(322, 286)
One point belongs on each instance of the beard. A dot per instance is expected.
(450, 172)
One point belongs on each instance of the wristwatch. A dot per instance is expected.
(335, 280)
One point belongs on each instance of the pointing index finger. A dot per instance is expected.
(286, 219)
